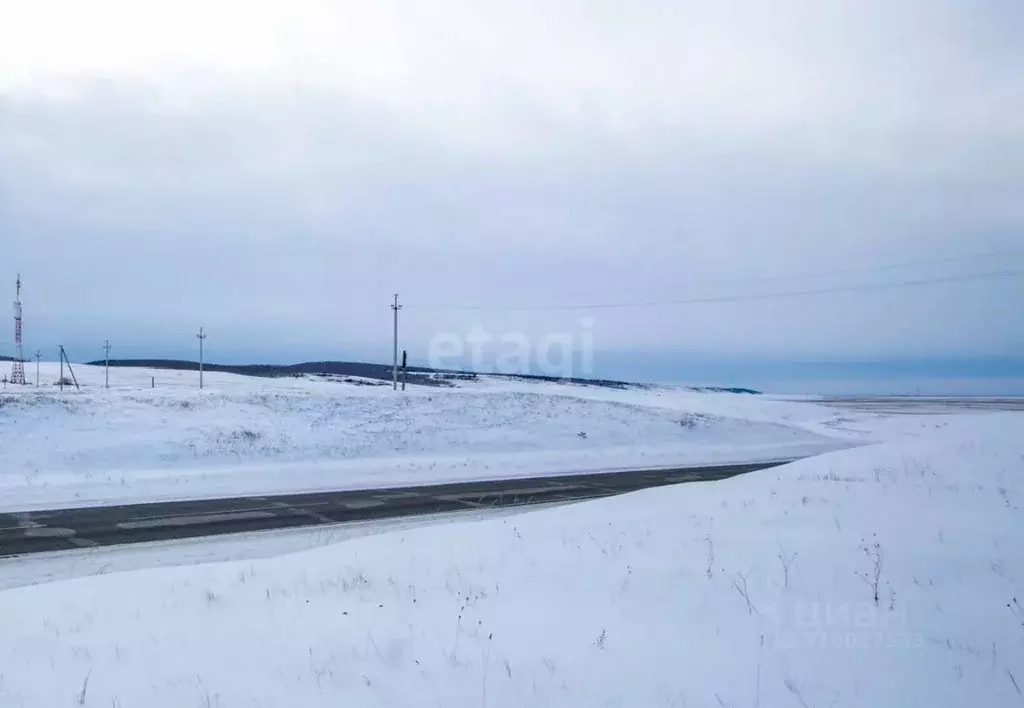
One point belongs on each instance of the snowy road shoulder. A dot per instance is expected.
(881, 576)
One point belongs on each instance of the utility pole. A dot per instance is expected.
(64, 359)
(39, 355)
(394, 377)
(200, 337)
(106, 364)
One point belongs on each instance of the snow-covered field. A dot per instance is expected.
(243, 435)
(886, 575)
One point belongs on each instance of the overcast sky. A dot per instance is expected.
(276, 171)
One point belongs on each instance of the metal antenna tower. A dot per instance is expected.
(18, 368)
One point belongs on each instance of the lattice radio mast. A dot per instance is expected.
(18, 368)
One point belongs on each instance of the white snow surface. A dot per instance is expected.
(50, 566)
(674, 596)
(248, 436)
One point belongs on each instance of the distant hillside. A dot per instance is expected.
(318, 368)
(418, 375)
(726, 389)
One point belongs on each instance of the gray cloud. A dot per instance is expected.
(566, 154)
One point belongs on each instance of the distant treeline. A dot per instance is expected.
(417, 375)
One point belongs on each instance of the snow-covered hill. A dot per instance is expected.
(154, 435)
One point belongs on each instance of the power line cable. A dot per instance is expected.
(775, 278)
(872, 269)
(738, 298)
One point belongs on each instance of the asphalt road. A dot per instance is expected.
(59, 529)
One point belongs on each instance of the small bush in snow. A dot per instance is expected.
(874, 552)
(741, 588)
(786, 561)
(246, 435)
(711, 556)
(692, 420)
(1017, 611)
